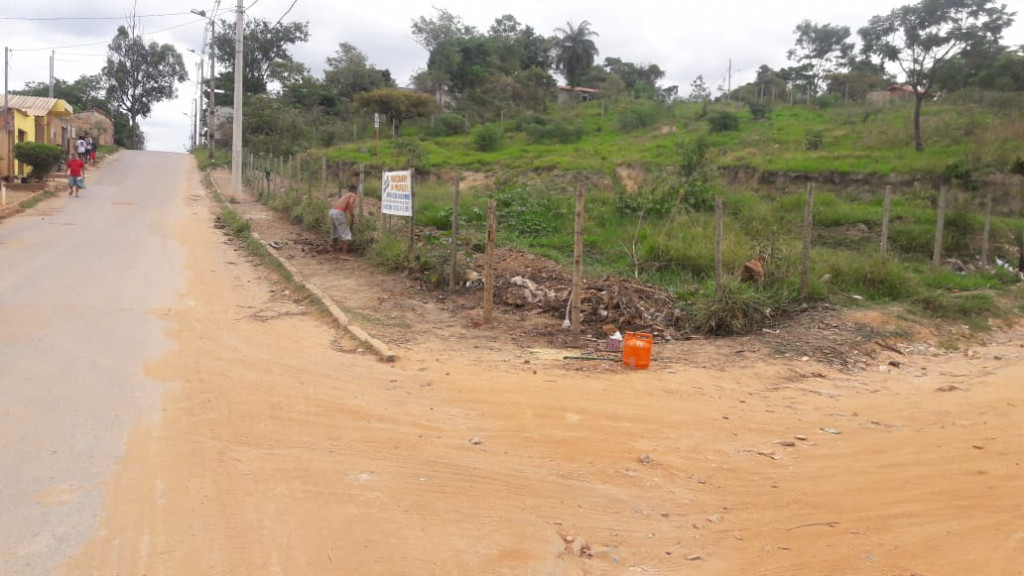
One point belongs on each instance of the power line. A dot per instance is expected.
(253, 3)
(104, 41)
(54, 18)
(285, 13)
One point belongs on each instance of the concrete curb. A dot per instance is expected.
(378, 347)
(13, 209)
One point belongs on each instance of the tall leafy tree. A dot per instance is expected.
(139, 75)
(576, 51)
(922, 38)
(349, 73)
(821, 49)
(265, 55)
(441, 37)
(397, 105)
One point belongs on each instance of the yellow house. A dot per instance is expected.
(33, 119)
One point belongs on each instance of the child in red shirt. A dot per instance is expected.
(76, 175)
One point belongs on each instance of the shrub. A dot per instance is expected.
(449, 125)
(487, 138)
(874, 277)
(723, 121)
(827, 101)
(814, 140)
(742, 308)
(43, 158)
(639, 116)
(560, 131)
(1017, 165)
(759, 110)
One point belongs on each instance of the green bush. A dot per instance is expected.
(1017, 165)
(487, 138)
(43, 158)
(874, 277)
(449, 125)
(742, 307)
(560, 131)
(814, 140)
(827, 101)
(973, 308)
(723, 121)
(390, 253)
(639, 116)
(759, 110)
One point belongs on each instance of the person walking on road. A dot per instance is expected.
(81, 146)
(76, 175)
(93, 145)
(342, 218)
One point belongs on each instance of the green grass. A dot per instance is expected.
(663, 231)
(35, 200)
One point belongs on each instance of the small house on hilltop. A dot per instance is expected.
(581, 93)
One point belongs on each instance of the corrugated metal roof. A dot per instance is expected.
(34, 105)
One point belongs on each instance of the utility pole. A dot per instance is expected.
(236, 132)
(211, 131)
(728, 85)
(52, 53)
(8, 129)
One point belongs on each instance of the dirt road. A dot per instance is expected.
(283, 449)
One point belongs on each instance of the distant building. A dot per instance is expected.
(581, 93)
(97, 123)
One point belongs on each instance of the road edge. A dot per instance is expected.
(378, 347)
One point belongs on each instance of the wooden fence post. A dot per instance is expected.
(987, 230)
(412, 212)
(492, 225)
(323, 176)
(886, 207)
(805, 267)
(577, 263)
(940, 222)
(455, 237)
(359, 196)
(380, 228)
(719, 224)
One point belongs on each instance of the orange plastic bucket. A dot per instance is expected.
(636, 350)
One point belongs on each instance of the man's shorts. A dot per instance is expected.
(339, 225)
(76, 182)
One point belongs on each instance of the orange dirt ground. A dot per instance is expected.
(283, 448)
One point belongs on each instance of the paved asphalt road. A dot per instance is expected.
(80, 279)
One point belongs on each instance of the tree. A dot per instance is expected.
(265, 55)
(699, 91)
(349, 73)
(140, 75)
(440, 37)
(921, 38)
(397, 105)
(576, 52)
(822, 48)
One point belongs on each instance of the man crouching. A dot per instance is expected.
(342, 218)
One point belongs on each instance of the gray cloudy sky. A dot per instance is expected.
(684, 38)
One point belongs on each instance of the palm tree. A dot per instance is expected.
(576, 51)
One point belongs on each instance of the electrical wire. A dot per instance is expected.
(105, 41)
(285, 13)
(54, 18)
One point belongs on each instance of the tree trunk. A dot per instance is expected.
(918, 101)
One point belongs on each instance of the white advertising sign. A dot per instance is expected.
(396, 193)
(376, 120)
